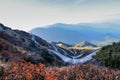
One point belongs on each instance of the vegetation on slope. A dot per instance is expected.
(28, 71)
(109, 56)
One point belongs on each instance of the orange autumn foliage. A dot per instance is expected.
(29, 71)
(24, 70)
(29, 76)
(14, 69)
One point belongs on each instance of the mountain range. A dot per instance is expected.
(29, 47)
(25, 56)
(99, 34)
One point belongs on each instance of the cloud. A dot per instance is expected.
(79, 1)
(55, 2)
(31, 13)
(66, 1)
(70, 3)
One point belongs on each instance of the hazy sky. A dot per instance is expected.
(27, 14)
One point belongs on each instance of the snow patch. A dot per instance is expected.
(74, 61)
(64, 51)
(33, 39)
(77, 56)
(54, 47)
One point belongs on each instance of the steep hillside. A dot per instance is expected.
(109, 56)
(29, 47)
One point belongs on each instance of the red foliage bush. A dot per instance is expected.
(82, 72)
(28, 71)
(24, 70)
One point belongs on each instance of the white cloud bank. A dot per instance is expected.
(27, 14)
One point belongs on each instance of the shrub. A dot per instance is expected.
(109, 56)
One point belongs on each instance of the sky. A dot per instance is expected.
(28, 14)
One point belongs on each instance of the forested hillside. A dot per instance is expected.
(109, 56)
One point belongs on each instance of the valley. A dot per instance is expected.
(59, 39)
(29, 57)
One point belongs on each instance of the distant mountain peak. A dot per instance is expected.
(84, 44)
(62, 43)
